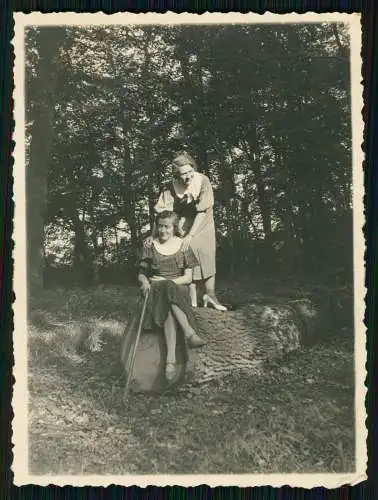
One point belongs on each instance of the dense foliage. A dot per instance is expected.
(264, 109)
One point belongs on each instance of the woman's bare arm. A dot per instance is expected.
(196, 223)
(192, 231)
(181, 227)
(144, 283)
(186, 279)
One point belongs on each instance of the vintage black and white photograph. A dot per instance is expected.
(189, 270)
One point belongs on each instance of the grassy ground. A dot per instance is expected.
(296, 417)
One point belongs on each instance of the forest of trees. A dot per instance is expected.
(264, 110)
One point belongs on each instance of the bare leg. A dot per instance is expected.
(193, 339)
(182, 320)
(210, 286)
(193, 294)
(210, 294)
(170, 337)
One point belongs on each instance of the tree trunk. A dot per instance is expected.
(129, 204)
(40, 147)
(194, 83)
(203, 161)
(147, 155)
(103, 241)
(81, 263)
(36, 186)
(262, 198)
(96, 260)
(93, 236)
(148, 133)
(116, 243)
(262, 201)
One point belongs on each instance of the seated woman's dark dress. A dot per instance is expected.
(165, 292)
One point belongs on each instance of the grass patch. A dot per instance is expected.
(296, 417)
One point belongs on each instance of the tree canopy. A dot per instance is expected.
(264, 110)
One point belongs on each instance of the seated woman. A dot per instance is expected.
(166, 271)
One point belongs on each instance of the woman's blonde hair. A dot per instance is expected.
(184, 159)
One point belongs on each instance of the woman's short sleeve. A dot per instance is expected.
(145, 261)
(206, 196)
(165, 202)
(190, 260)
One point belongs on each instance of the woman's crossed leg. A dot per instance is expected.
(177, 317)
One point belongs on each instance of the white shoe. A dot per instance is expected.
(213, 302)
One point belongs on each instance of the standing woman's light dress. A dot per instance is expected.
(187, 202)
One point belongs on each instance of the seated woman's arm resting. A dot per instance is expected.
(144, 283)
(186, 279)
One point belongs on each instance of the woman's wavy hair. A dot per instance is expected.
(184, 159)
(166, 214)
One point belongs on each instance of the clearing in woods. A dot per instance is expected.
(295, 417)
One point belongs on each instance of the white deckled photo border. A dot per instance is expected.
(20, 396)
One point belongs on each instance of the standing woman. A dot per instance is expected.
(190, 195)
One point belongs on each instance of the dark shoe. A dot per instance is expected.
(195, 341)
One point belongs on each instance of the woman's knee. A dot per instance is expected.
(170, 319)
(175, 309)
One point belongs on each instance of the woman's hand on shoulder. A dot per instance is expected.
(185, 244)
(147, 243)
(180, 228)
